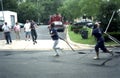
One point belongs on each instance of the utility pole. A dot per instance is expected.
(38, 11)
(2, 9)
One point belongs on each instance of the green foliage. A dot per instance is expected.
(105, 13)
(38, 10)
(91, 40)
(27, 11)
(114, 34)
(72, 9)
(45, 8)
(77, 37)
(9, 5)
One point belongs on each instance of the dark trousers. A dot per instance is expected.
(34, 35)
(100, 44)
(8, 37)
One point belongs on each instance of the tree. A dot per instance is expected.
(76, 8)
(105, 13)
(50, 8)
(44, 8)
(9, 5)
(69, 9)
(26, 11)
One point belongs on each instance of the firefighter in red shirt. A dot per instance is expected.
(58, 17)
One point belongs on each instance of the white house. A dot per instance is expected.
(9, 16)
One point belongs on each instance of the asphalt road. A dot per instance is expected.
(43, 64)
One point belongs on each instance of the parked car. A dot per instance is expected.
(79, 24)
(21, 25)
(88, 24)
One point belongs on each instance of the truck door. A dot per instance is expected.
(12, 20)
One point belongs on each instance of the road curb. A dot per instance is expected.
(78, 45)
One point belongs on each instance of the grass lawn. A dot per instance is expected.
(78, 39)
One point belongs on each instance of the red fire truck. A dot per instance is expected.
(57, 20)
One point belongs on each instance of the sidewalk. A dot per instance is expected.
(42, 45)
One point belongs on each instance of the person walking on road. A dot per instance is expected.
(55, 37)
(27, 30)
(97, 33)
(33, 32)
(17, 30)
(6, 30)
